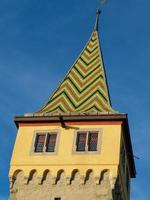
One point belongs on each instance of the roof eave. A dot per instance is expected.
(76, 117)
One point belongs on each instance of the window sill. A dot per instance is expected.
(85, 152)
(43, 153)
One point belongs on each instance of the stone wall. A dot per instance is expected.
(76, 187)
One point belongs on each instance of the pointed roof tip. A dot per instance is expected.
(86, 79)
(98, 12)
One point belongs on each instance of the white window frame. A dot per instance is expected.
(99, 141)
(45, 132)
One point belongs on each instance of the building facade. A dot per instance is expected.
(77, 147)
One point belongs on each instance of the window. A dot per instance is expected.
(123, 157)
(51, 141)
(57, 198)
(39, 142)
(127, 179)
(81, 141)
(124, 164)
(87, 141)
(117, 193)
(45, 142)
(92, 141)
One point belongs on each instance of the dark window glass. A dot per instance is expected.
(92, 141)
(57, 198)
(117, 193)
(81, 141)
(39, 142)
(127, 179)
(51, 141)
(123, 158)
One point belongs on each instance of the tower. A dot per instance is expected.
(76, 146)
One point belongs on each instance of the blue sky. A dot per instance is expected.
(39, 40)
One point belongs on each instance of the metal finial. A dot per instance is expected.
(98, 12)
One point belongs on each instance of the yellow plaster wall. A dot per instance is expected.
(108, 158)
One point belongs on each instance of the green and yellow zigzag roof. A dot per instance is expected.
(84, 89)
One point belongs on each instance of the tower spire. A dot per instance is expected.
(98, 12)
(84, 88)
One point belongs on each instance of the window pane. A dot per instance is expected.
(92, 141)
(117, 193)
(58, 198)
(81, 141)
(127, 179)
(123, 158)
(51, 141)
(39, 142)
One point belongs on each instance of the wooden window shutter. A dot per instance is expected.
(39, 142)
(81, 141)
(51, 142)
(92, 141)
